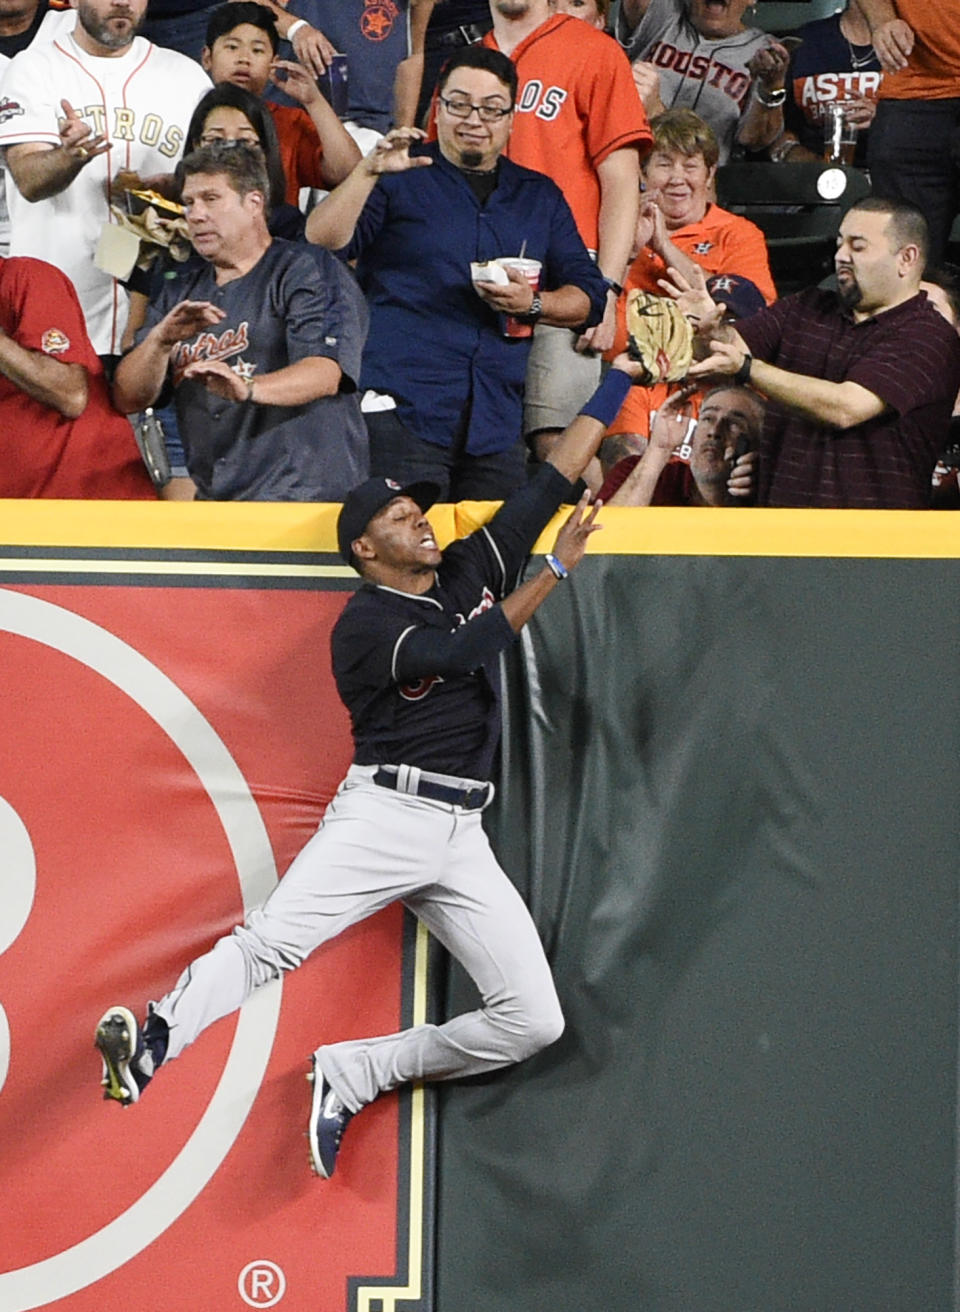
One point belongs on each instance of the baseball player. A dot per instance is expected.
(415, 657)
(74, 112)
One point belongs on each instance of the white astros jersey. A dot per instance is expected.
(143, 101)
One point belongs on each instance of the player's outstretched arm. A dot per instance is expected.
(580, 439)
(567, 553)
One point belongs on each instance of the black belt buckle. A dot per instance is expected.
(474, 798)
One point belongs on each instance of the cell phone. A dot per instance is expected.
(334, 85)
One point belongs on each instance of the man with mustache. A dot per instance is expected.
(74, 112)
(860, 381)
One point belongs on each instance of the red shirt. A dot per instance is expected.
(576, 104)
(301, 152)
(44, 453)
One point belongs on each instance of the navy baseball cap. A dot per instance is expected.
(742, 297)
(367, 500)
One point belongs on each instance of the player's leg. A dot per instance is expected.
(368, 852)
(478, 915)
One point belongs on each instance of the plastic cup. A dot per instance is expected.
(839, 134)
(531, 270)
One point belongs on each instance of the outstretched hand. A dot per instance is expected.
(571, 541)
(76, 137)
(186, 319)
(391, 154)
(672, 420)
(219, 378)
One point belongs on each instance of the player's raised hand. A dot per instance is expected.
(313, 49)
(572, 539)
(77, 138)
(186, 320)
(391, 154)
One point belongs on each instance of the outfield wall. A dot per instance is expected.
(728, 790)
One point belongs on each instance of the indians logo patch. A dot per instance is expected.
(9, 109)
(54, 342)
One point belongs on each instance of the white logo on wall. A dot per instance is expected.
(261, 1284)
(18, 885)
(197, 1162)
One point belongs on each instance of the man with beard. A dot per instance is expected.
(74, 112)
(444, 381)
(860, 382)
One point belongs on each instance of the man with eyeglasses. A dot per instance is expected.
(580, 121)
(443, 383)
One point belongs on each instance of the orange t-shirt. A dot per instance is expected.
(576, 104)
(301, 151)
(720, 243)
(933, 72)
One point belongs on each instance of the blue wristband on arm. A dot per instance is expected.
(606, 401)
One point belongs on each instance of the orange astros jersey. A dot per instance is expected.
(577, 104)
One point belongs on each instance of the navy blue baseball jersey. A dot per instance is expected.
(419, 674)
(291, 305)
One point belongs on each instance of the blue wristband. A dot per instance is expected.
(556, 567)
(606, 401)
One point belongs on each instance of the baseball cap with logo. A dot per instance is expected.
(742, 297)
(369, 499)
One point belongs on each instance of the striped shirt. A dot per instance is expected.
(908, 356)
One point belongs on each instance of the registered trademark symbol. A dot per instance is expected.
(261, 1284)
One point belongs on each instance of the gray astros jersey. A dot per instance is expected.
(707, 76)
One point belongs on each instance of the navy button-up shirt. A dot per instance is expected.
(433, 344)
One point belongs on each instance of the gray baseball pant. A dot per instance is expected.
(375, 847)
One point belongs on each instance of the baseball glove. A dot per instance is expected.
(659, 336)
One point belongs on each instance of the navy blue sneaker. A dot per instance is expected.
(128, 1064)
(328, 1120)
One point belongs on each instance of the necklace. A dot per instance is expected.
(867, 54)
(866, 59)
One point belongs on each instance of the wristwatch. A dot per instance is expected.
(536, 309)
(771, 99)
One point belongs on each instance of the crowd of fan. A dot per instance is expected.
(410, 229)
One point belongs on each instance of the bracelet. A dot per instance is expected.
(775, 99)
(612, 286)
(742, 376)
(294, 28)
(556, 567)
